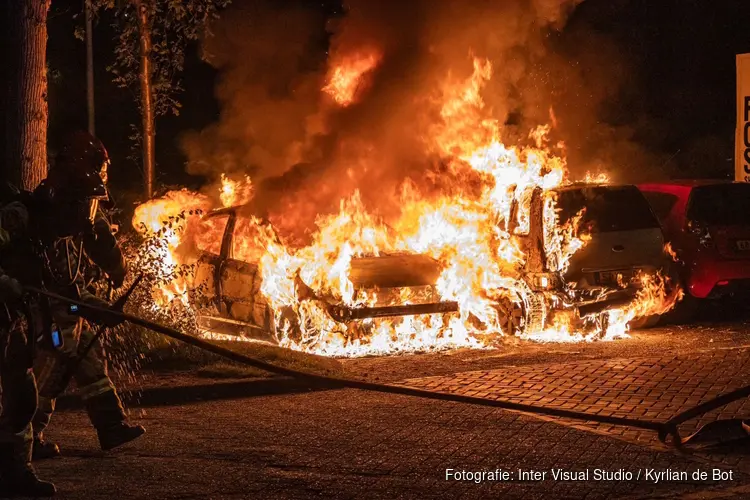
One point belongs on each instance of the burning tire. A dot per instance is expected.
(512, 316)
(536, 312)
(519, 315)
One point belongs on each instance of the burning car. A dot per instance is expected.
(625, 247)
(467, 248)
(626, 241)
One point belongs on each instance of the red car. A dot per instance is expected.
(708, 226)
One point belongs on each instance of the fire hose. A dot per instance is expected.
(117, 306)
(663, 429)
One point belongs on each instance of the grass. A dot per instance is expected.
(228, 370)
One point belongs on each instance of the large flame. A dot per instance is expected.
(344, 80)
(472, 232)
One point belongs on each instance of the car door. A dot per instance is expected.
(206, 287)
(230, 289)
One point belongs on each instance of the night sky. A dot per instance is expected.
(679, 102)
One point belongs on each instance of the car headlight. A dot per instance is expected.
(542, 281)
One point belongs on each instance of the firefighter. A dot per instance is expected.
(19, 398)
(95, 387)
(33, 227)
(68, 257)
(17, 384)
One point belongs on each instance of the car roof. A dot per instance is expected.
(589, 185)
(690, 183)
(683, 187)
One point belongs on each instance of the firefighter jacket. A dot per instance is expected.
(60, 264)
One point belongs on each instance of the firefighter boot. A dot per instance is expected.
(17, 476)
(44, 449)
(108, 418)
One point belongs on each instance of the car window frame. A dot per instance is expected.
(691, 199)
(227, 237)
(675, 201)
(631, 187)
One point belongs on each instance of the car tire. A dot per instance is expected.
(512, 317)
(645, 322)
(684, 311)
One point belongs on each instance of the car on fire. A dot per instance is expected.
(706, 223)
(626, 241)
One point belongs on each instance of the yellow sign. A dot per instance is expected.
(742, 137)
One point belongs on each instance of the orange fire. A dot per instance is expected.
(472, 236)
(671, 252)
(175, 233)
(235, 192)
(344, 79)
(163, 222)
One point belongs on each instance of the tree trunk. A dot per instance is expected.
(147, 107)
(26, 93)
(90, 70)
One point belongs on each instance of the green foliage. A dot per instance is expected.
(53, 75)
(173, 24)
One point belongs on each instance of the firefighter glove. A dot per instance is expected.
(10, 289)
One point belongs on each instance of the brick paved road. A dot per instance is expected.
(650, 388)
(350, 444)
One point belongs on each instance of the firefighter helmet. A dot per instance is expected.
(83, 152)
(80, 169)
(76, 182)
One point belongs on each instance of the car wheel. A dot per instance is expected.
(684, 311)
(645, 322)
(512, 316)
(288, 325)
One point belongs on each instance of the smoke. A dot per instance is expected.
(591, 89)
(305, 151)
(269, 88)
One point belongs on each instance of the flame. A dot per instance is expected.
(479, 234)
(671, 252)
(161, 222)
(598, 178)
(344, 79)
(235, 192)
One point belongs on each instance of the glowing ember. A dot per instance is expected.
(478, 236)
(345, 78)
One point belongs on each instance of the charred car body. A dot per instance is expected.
(625, 241)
